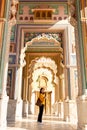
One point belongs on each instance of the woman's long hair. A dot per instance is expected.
(41, 90)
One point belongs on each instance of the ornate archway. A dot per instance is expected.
(42, 66)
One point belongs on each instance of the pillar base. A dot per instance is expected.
(3, 110)
(82, 112)
(70, 111)
(19, 108)
(25, 108)
(29, 108)
(60, 110)
(55, 109)
(11, 113)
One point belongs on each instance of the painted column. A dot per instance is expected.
(6, 43)
(3, 76)
(67, 62)
(73, 22)
(83, 70)
(83, 9)
(2, 54)
(10, 21)
(67, 83)
(82, 99)
(2, 22)
(19, 84)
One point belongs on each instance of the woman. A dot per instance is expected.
(41, 108)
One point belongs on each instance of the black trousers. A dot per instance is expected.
(41, 108)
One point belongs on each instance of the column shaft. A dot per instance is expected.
(81, 48)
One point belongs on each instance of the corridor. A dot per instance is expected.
(49, 123)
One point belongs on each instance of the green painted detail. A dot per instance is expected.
(12, 38)
(28, 36)
(69, 85)
(2, 56)
(37, 5)
(65, 9)
(81, 46)
(31, 7)
(56, 9)
(20, 9)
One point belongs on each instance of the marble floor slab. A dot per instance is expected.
(31, 123)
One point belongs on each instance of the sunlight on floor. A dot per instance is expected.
(30, 123)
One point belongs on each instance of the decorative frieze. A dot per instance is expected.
(48, 12)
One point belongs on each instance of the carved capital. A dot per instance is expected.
(13, 12)
(22, 57)
(14, 8)
(72, 8)
(73, 22)
(22, 60)
(61, 76)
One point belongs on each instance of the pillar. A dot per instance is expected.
(4, 55)
(62, 87)
(70, 111)
(2, 22)
(66, 82)
(60, 110)
(82, 100)
(18, 86)
(3, 70)
(82, 97)
(69, 85)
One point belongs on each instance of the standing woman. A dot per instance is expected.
(41, 108)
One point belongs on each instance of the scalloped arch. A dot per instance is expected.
(46, 67)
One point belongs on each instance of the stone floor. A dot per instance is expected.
(49, 123)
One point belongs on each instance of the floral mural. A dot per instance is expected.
(28, 36)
